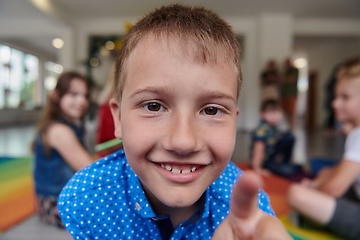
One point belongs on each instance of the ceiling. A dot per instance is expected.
(85, 9)
(226, 8)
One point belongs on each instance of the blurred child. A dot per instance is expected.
(58, 147)
(177, 82)
(270, 81)
(332, 199)
(270, 150)
(289, 91)
(106, 127)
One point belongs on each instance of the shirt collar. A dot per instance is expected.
(136, 195)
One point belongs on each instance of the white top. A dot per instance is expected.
(352, 153)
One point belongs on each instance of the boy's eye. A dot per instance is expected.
(211, 110)
(154, 107)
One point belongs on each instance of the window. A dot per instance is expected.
(52, 73)
(19, 79)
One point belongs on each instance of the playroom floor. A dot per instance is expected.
(15, 141)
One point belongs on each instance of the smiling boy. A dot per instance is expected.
(177, 79)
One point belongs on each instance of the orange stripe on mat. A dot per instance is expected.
(18, 209)
(19, 192)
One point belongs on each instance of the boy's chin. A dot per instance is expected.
(178, 199)
(183, 202)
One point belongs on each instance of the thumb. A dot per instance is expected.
(244, 201)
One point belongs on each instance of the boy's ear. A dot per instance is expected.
(116, 113)
(237, 111)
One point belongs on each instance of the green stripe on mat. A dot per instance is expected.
(15, 168)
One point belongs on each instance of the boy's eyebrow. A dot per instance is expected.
(150, 89)
(206, 94)
(218, 94)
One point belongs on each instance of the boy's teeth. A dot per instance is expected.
(176, 171)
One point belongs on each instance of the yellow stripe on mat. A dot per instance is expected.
(299, 233)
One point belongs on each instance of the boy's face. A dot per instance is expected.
(347, 102)
(177, 119)
(272, 116)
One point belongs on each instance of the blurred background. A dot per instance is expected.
(40, 39)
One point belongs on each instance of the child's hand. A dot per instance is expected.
(263, 172)
(245, 220)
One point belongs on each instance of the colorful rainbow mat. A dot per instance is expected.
(17, 197)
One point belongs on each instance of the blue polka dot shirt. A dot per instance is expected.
(106, 201)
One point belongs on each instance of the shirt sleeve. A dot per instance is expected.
(73, 223)
(260, 134)
(352, 146)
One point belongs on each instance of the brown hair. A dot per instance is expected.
(350, 69)
(52, 110)
(201, 29)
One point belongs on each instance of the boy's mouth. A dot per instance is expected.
(184, 169)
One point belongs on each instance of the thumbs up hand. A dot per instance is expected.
(245, 220)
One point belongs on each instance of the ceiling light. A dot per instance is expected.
(94, 62)
(58, 43)
(50, 83)
(110, 45)
(58, 68)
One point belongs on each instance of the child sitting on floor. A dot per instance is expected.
(270, 150)
(59, 149)
(332, 199)
(177, 79)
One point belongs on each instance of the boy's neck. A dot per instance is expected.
(177, 215)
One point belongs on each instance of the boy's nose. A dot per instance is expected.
(183, 137)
